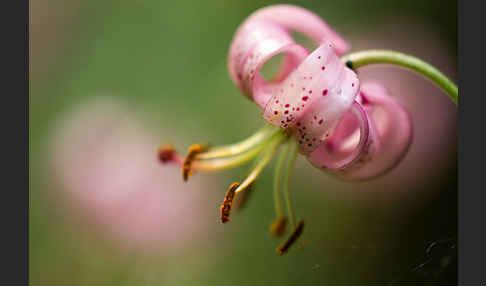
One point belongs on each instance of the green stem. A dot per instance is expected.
(363, 58)
(292, 154)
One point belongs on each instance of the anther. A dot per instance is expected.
(227, 202)
(166, 153)
(278, 226)
(191, 154)
(284, 247)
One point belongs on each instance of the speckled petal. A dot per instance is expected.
(314, 97)
(303, 21)
(390, 134)
(348, 143)
(265, 34)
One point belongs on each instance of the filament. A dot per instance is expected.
(267, 156)
(234, 149)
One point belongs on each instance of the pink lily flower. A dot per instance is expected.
(315, 104)
(355, 133)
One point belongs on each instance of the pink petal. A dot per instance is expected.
(389, 138)
(348, 143)
(265, 34)
(316, 95)
(254, 43)
(303, 21)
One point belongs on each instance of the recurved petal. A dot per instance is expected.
(265, 34)
(254, 43)
(314, 97)
(303, 21)
(390, 134)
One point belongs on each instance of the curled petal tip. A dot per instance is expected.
(390, 133)
(266, 33)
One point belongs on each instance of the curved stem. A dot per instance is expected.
(363, 58)
(292, 153)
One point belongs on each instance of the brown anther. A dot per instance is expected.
(166, 153)
(284, 247)
(240, 202)
(191, 154)
(228, 201)
(278, 226)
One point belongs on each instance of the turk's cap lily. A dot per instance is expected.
(315, 95)
(315, 105)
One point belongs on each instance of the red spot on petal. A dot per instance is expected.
(303, 88)
(275, 112)
(305, 98)
(298, 123)
(352, 84)
(319, 57)
(310, 91)
(287, 105)
(276, 101)
(320, 121)
(324, 92)
(286, 112)
(323, 68)
(298, 108)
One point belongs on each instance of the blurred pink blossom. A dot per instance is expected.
(105, 159)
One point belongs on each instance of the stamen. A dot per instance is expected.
(284, 247)
(191, 154)
(227, 202)
(271, 149)
(277, 190)
(231, 162)
(278, 226)
(166, 153)
(234, 149)
(292, 154)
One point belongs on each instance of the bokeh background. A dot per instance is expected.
(111, 80)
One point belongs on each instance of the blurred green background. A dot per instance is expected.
(168, 58)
